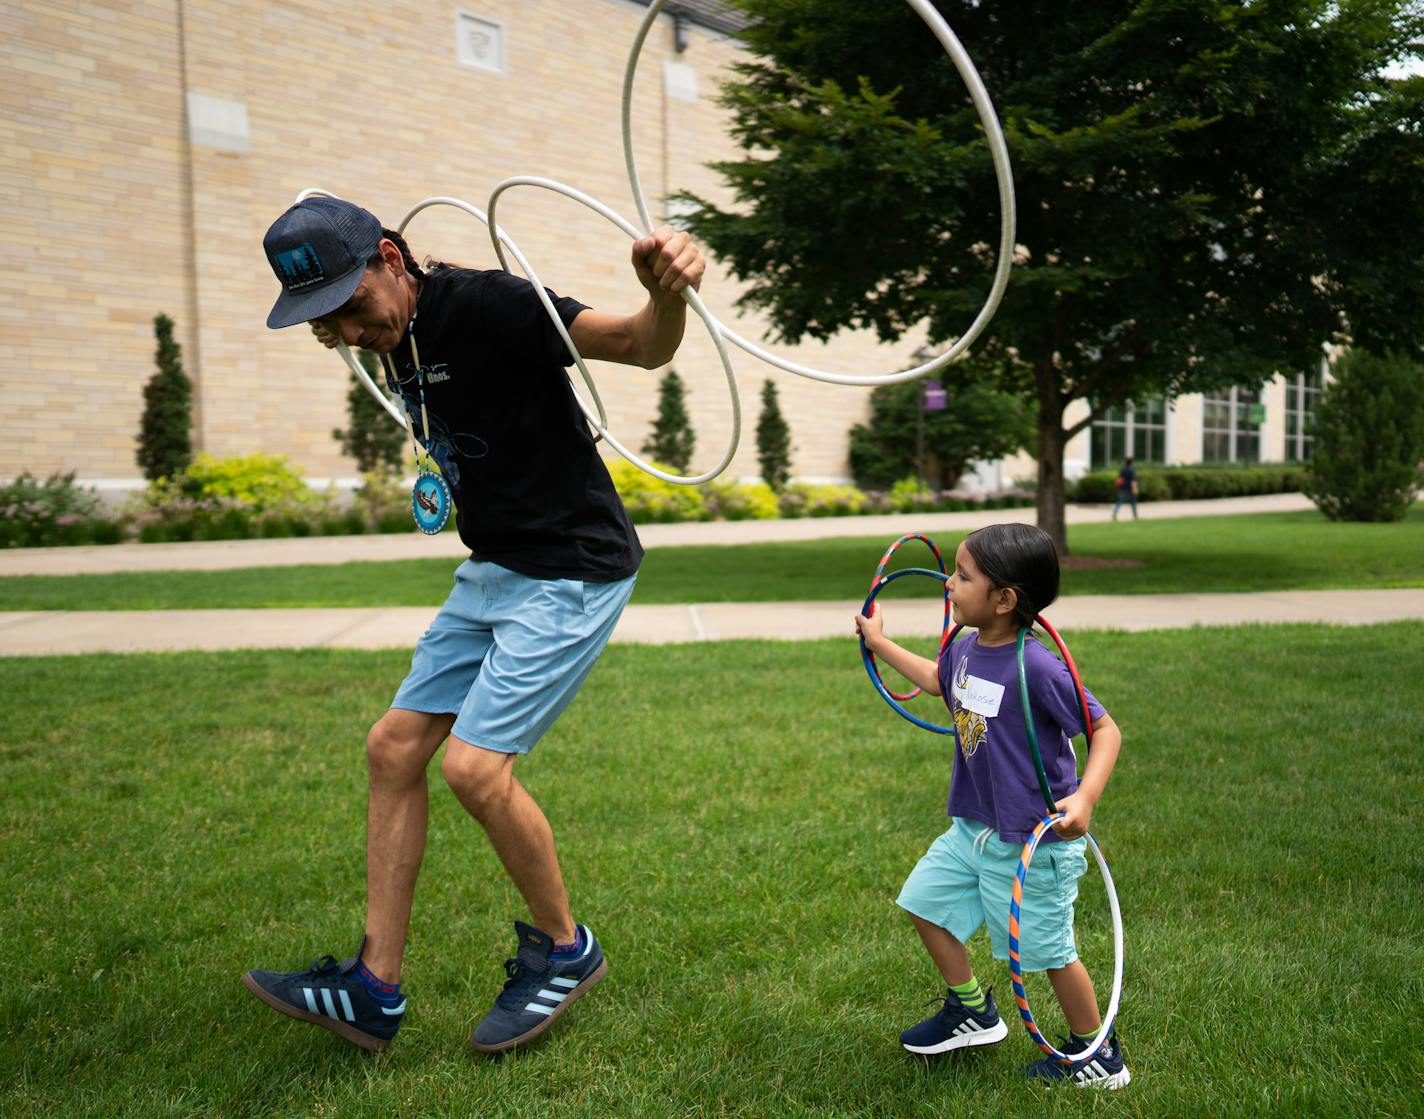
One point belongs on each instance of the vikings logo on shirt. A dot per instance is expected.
(970, 726)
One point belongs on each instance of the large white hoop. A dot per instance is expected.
(719, 332)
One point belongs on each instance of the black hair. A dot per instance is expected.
(1022, 558)
(396, 239)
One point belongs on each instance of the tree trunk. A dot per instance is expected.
(1050, 460)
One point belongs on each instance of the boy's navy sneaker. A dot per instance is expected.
(1105, 1069)
(541, 986)
(329, 994)
(955, 1026)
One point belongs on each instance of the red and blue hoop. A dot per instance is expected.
(870, 603)
(893, 698)
(1016, 966)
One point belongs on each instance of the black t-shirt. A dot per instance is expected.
(531, 492)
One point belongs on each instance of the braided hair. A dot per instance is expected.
(396, 239)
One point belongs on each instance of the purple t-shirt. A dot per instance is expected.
(994, 780)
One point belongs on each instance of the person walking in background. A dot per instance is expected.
(1126, 487)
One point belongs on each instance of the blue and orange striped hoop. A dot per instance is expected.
(1016, 966)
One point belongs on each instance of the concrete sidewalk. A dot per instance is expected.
(66, 632)
(399, 627)
(218, 555)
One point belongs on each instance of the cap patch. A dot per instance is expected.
(299, 268)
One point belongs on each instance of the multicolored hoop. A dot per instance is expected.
(948, 609)
(869, 661)
(1016, 966)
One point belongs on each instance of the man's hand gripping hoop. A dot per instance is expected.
(878, 583)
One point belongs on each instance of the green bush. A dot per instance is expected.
(1186, 483)
(230, 499)
(773, 440)
(740, 501)
(911, 495)
(650, 500)
(672, 438)
(165, 441)
(52, 512)
(382, 503)
(1369, 438)
(257, 482)
(803, 499)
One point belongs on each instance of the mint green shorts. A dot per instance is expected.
(965, 880)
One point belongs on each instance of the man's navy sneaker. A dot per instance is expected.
(330, 995)
(541, 986)
(955, 1026)
(1105, 1069)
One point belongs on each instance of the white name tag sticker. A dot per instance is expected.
(980, 696)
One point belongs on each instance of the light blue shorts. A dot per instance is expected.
(966, 877)
(507, 653)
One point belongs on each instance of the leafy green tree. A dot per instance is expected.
(773, 440)
(371, 438)
(1207, 192)
(1369, 439)
(978, 423)
(672, 437)
(165, 440)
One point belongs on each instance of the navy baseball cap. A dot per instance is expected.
(318, 249)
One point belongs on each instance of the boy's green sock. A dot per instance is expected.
(969, 993)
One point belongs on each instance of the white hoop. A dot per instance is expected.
(718, 331)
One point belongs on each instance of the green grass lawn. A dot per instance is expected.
(1261, 552)
(171, 820)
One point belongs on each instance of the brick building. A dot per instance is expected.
(145, 145)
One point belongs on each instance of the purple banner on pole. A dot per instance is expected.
(934, 396)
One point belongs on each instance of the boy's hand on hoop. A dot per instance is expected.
(871, 629)
(1077, 809)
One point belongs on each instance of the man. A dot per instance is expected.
(482, 371)
(1126, 488)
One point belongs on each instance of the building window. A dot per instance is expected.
(1137, 429)
(1302, 392)
(1231, 425)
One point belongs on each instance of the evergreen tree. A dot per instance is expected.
(1369, 439)
(371, 439)
(979, 423)
(165, 442)
(672, 437)
(1207, 191)
(773, 438)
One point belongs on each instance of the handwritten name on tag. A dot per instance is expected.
(980, 696)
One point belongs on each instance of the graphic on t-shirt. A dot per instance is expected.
(447, 448)
(970, 726)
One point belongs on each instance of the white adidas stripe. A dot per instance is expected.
(564, 981)
(329, 1008)
(539, 1009)
(556, 996)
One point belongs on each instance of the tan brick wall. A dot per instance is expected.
(118, 217)
(94, 209)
